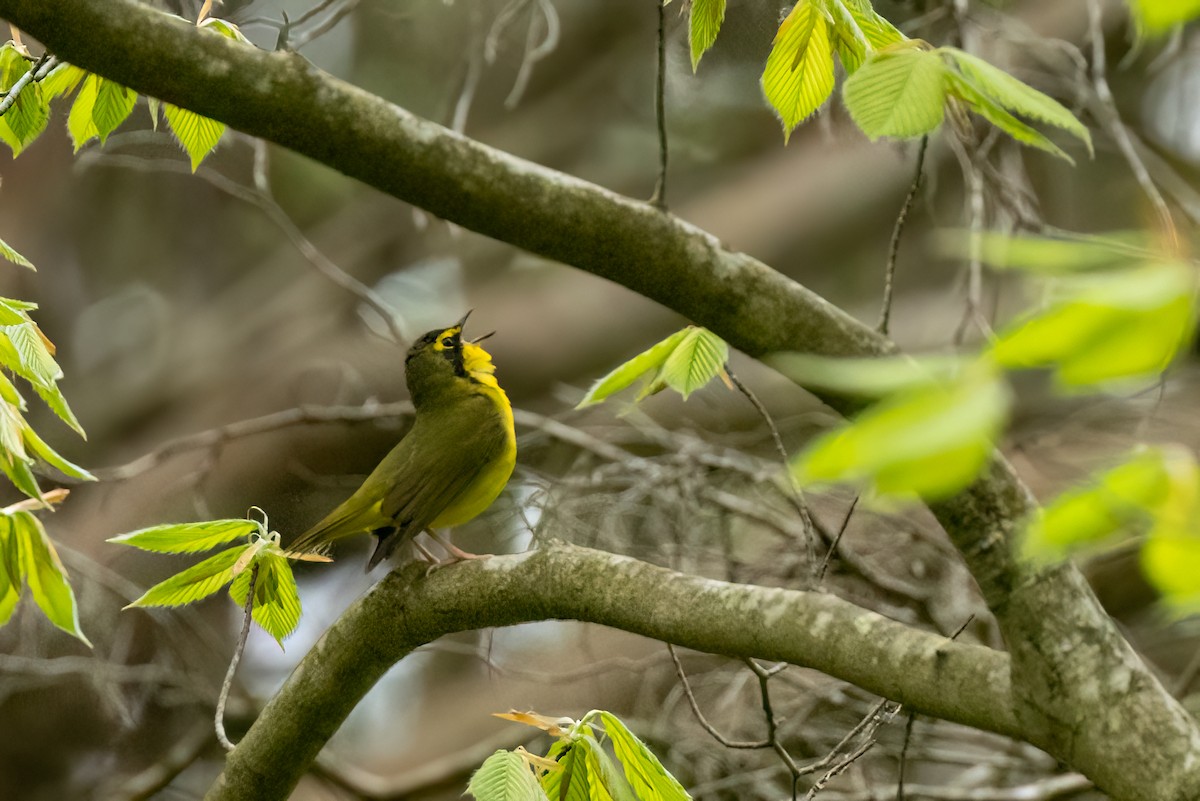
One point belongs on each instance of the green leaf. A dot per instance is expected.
(606, 781)
(19, 474)
(961, 87)
(848, 38)
(187, 537)
(697, 358)
(798, 77)
(62, 80)
(1016, 96)
(197, 135)
(899, 93)
(195, 583)
(1157, 17)
(114, 103)
(703, 26)
(504, 776)
(51, 457)
(629, 372)
(225, 28)
(34, 362)
(1120, 325)
(1108, 503)
(53, 397)
(650, 780)
(80, 124)
(571, 781)
(1038, 254)
(45, 575)
(6, 252)
(27, 117)
(931, 441)
(10, 570)
(866, 377)
(276, 603)
(879, 32)
(154, 106)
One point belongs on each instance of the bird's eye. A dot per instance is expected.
(447, 342)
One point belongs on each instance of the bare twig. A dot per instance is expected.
(908, 730)
(764, 676)
(898, 231)
(708, 727)
(837, 539)
(247, 615)
(659, 198)
(797, 497)
(325, 27)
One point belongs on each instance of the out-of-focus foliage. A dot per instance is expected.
(1154, 17)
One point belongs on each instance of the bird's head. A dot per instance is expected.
(441, 357)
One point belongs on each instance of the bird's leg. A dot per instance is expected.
(456, 554)
(423, 552)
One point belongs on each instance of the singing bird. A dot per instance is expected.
(451, 464)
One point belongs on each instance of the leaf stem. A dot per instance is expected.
(247, 614)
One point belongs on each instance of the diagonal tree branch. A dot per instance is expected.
(1079, 690)
(966, 683)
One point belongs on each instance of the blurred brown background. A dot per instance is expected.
(178, 307)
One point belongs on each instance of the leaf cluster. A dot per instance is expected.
(684, 362)
(28, 560)
(577, 767)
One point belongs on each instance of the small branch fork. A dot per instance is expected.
(40, 69)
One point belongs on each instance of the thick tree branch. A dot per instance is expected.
(1079, 690)
(965, 683)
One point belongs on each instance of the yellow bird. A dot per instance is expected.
(449, 467)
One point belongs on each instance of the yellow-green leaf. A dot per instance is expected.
(197, 135)
(798, 77)
(848, 39)
(276, 603)
(629, 372)
(197, 582)
(114, 103)
(7, 252)
(11, 579)
(704, 24)
(1038, 254)
(978, 101)
(62, 80)
(505, 776)
(696, 359)
(649, 779)
(1160, 16)
(45, 575)
(187, 537)
(900, 93)
(38, 447)
(571, 781)
(870, 377)
(80, 124)
(878, 31)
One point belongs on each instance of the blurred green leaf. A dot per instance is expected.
(899, 93)
(11, 579)
(7, 252)
(871, 377)
(45, 575)
(187, 537)
(114, 103)
(704, 23)
(197, 135)
(798, 77)
(80, 123)
(629, 372)
(197, 582)
(1126, 324)
(696, 359)
(225, 28)
(505, 776)
(1013, 95)
(649, 779)
(276, 604)
(1157, 17)
(1042, 255)
(931, 441)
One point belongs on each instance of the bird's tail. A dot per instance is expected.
(341, 522)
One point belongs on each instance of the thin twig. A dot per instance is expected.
(897, 231)
(40, 69)
(764, 677)
(247, 615)
(466, 96)
(659, 198)
(797, 497)
(833, 546)
(325, 27)
(1111, 119)
(908, 730)
(708, 727)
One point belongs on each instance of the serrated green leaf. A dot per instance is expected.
(504, 776)
(80, 124)
(187, 537)
(900, 93)
(1016, 96)
(607, 782)
(848, 38)
(703, 26)
(963, 88)
(1119, 325)
(648, 360)
(798, 77)
(570, 782)
(154, 106)
(870, 377)
(696, 359)
(7, 252)
(197, 582)
(931, 441)
(878, 31)
(45, 575)
(11, 579)
(114, 103)
(649, 779)
(1108, 503)
(276, 603)
(62, 80)
(19, 474)
(197, 135)
(54, 398)
(27, 117)
(51, 457)
(1155, 17)
(225, 28)
(34, 362)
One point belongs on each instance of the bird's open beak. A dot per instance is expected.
(463, 321)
